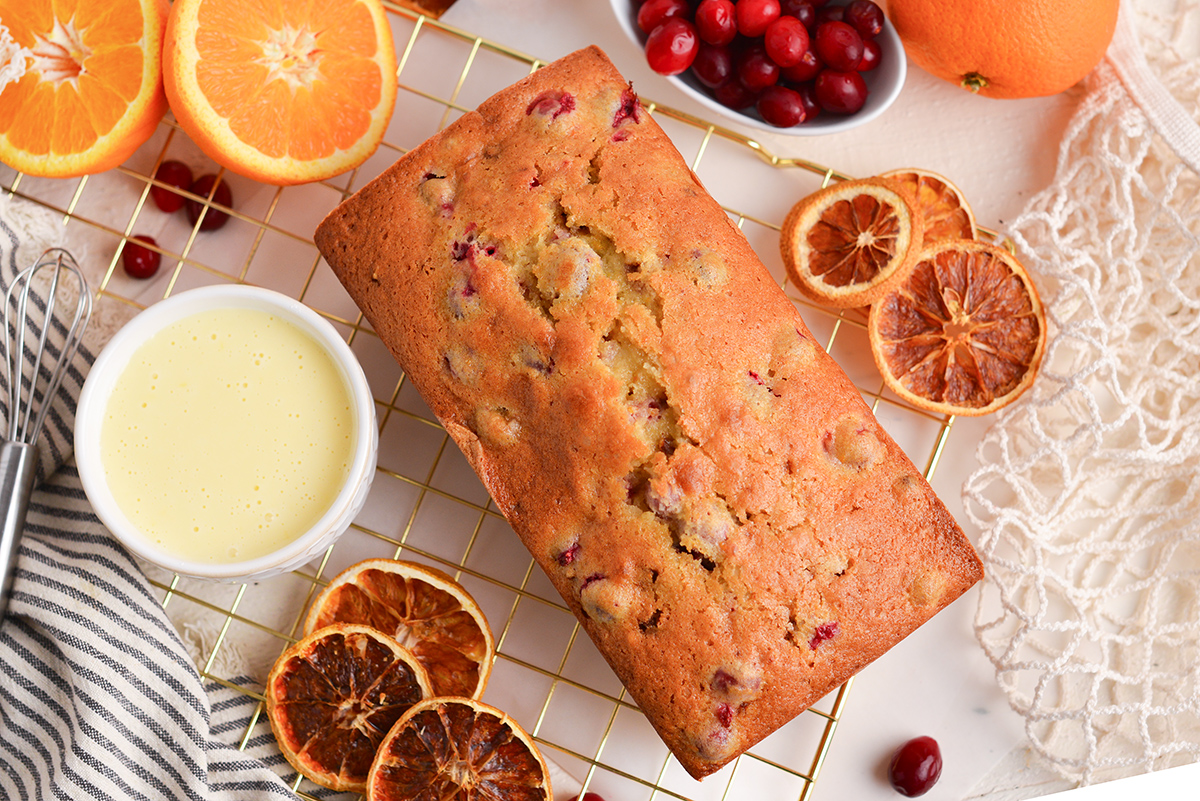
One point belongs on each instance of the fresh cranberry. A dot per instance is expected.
(214, 218)
(841, 92)
(716, 22)
(803, 10)
(806, 69)
(866, 17)
(872, 54)
(786, 41)
(916, 766)
(671, 47)
(587, 797)
(713, 65)
(780, 106)
(732, 94)
(755, 69)
(655, 12)
(808, 98)
(838, 45)
(753, 16)
(830, 14)
(174, 174)
(140, 261)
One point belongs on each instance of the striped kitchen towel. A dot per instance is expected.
(98, 697)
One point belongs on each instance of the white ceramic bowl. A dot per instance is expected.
(112, 362)
(883, 84)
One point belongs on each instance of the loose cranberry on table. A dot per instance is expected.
(174, 174)
(671, 47)
(753, 16)
(140, 261)
(916, 766)
(587, 797)
(214, 218)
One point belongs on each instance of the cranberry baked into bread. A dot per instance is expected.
(699, 480)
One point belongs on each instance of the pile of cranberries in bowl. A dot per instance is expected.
(790, 61)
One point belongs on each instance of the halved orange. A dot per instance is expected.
(844, 244)
(92, 91)
(458, 748)
(332, 698)
(424, 609)
(945, 210)
(963, 333)
(281, 91)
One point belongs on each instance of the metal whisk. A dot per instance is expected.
(34, 336)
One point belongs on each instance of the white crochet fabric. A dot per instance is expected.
(1088, 497)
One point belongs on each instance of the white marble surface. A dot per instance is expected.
(938, 682)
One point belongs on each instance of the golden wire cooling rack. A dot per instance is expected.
(426, 504)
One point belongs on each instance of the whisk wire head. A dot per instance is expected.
(30, 401)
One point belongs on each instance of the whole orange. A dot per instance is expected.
(1001, 48)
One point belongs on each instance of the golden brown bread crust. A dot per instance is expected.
(697, 477)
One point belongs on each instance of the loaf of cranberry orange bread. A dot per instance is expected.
(697, 477)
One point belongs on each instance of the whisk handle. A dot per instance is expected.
(18, 467)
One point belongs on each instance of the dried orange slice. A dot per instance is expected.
(92, 91)
(945, 210)
(282, 91)
(844, 244)
(334, 695)
(963, 333)
(424, 609)
(451, 748)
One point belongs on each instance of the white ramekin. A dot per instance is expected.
(112, 362)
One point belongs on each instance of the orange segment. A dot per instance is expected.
(282, 92)
(963, 334)
(424, 609)
(92, 91)
(845, 244)
(333, 696)
(448, 748)
(945, 210)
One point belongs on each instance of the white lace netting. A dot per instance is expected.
(1088, 494)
